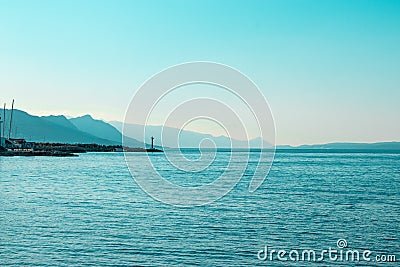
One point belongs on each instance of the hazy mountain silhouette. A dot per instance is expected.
(60, 120)
(103, 130)
(48, 129)
(187, 139)
(344, 145)
(85, 129)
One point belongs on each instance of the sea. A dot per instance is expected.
(90, 211)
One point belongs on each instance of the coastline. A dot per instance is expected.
(66, 150)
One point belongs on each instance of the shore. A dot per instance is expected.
(37, 153)
(67, 150)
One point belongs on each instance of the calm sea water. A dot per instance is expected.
(88, 211)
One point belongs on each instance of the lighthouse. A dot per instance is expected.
(152, 148)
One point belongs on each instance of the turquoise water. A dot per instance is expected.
(88, 211)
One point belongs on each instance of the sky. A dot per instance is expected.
(329, 69)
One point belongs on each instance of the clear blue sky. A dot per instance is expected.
(329, 69)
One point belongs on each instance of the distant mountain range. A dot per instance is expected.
(188, 139)
(48, 129)
(104, 130)
(343, 145)
(85, 129)
(59, 129)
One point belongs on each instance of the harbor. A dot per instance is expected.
(10, 147)
(14, 145)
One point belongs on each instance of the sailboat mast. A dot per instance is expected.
(4, 120)
(1, 132)
(11, 117)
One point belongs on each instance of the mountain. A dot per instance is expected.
(344, 145)
(60, 120)
(48, 129)
(103, 130)
(59, 129)
(85, 129)
(187, 139)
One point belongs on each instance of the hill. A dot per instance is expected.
(344, 145)
(103, 130)
(59, 129)
(48, 129)
(86, 129)
(187, 139)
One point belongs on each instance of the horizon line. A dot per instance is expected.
(68, 117)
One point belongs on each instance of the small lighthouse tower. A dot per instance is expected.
(152, 148)
(1, 134)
